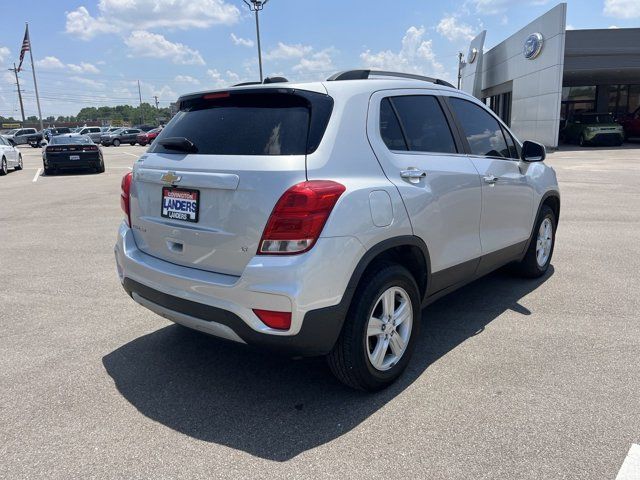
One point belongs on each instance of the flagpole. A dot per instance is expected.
(35, 83)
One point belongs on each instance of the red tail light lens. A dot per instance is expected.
(299, 217)
(125, 191)
(90, 148)
(278, 320)
(54, 149)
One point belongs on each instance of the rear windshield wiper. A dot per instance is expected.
(181, 144)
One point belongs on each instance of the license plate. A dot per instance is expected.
(180, 204)
(74, 157)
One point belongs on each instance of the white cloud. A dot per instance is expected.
(50, 63)
(625, 9)
(186, 79)
(81, 24)
(415, 56)
(87, 82)
(245, 42)
(126, 15)
(154, 45)
(285, 52)
(317, 62)
(84, 67)
(494, 7)
(4, 54)
(453, 30)
(613, 27)
(54, 63)
(221, 81)
(570, 27)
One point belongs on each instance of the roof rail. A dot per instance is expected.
(365, 74)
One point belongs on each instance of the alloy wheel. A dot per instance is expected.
(544, 242)
(389, 328)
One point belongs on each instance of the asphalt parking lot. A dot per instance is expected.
(511, 378)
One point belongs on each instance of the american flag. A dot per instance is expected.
(26, 46)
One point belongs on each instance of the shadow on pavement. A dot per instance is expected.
(274, 407)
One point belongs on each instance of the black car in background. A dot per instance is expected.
(71, 152)
(49, 133)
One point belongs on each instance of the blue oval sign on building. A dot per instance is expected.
(533, 45)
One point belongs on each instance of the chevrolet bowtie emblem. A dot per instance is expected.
(170, 178)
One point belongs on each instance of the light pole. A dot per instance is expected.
(256, 6)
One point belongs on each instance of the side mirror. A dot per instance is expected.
(43, 143)
(533, 152)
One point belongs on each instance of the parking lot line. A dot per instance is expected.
(630, 469)
(35, 177)
(132, 154)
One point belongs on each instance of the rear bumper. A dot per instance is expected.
(71, 164)
(310, 286)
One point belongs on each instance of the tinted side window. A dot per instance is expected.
(424, 124)
(390, 128)
(483, 132)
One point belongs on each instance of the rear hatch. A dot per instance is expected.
(203, 193)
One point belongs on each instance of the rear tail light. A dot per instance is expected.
(299, 217)
(277, 320)
(90, 148)
(125, 191)
(53, 149)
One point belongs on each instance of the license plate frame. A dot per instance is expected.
(74, 157)
(184, 213)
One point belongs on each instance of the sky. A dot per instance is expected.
(93, 52)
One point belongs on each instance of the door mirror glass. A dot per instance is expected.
(533, 152)
(43, 143)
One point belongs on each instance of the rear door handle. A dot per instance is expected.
(490, 179)
(413, 174)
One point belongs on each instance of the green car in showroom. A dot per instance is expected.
(593, 129)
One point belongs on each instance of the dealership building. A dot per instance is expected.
(544, 74)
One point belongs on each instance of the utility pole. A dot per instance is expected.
(15, 71)
(460, 57)
(156, 99)
(256, 6)
(140, 97)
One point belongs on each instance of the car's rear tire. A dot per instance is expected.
(100, 168)
(581, 141)
(20, 165)
(541, 245)
(380, 331)
(116, 143)
(3, 167)
(132, 143)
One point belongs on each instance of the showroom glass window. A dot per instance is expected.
(482, 130)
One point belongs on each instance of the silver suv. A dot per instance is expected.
(319, 218)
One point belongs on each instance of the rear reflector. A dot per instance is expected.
(277, 320)
(299, 217)
(125, 191)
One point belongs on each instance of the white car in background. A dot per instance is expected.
(10, 157)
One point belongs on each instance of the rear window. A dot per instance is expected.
(250, 122)
(64, 140)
